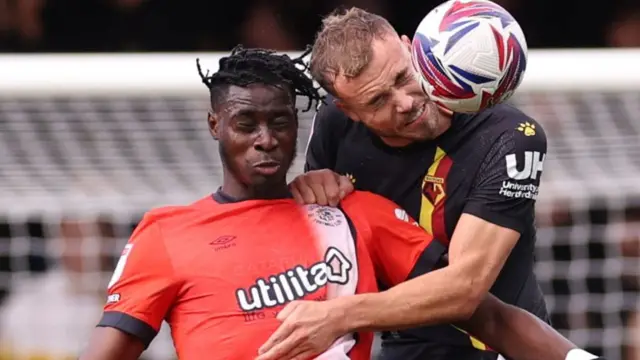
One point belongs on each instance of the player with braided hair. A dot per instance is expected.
(179, 274)
(250, 66)
(219, 270)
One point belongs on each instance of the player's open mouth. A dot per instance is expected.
(267, 167)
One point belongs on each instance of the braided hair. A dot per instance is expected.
(259, 66)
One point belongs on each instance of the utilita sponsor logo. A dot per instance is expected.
(295, 283)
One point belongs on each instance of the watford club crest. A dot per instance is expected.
(433, 189)
(434, 193)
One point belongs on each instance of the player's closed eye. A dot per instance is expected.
(403, 78)
(378, 101)
(245, 125)
(281, 123)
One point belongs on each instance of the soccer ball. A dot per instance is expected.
(469, 55)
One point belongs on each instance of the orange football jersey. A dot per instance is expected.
(218, 271)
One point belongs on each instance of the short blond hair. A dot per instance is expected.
(343, 45)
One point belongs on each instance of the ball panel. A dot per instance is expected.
(469, 54)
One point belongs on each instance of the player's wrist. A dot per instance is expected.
(354, 313)
(579, 354)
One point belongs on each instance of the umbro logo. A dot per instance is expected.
(223, 242)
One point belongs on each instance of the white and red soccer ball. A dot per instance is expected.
(469, 55)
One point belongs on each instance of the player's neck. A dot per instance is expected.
(239, 191)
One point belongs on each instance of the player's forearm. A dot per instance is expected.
(438, 297)
(516, 333)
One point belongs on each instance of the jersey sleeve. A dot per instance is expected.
(329, 126)
(506, 186)
(143, 286)
(400, 249)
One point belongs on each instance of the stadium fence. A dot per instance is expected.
(90, 142)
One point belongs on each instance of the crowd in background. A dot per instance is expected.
(169, 25)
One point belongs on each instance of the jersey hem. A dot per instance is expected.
(484, 213)
(432, 258)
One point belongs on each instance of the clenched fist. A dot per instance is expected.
(322, 187)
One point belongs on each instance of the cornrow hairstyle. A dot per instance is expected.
(260, 66)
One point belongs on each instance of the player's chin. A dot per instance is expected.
(262, 177)
(269, 174)
(419, 132)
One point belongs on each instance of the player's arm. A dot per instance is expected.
(404, 255)
(633, 336)
(498, 209)
(140, 293)
(111, 344)
(520, 335)
(320, 184)
(511, 331)
(402, 251)
(483, 239)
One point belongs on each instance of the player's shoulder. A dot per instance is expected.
(328, 115)
(360, 198)
(509, 119)
(507, 112)
(364, 201)
(518, 130)
(171, 212)
(171, 216)
(374, 208)
(504, 126)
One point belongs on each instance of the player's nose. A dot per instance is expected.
(265, 140)
(403, 101)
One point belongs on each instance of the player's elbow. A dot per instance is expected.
(470, 298)
(474, 279)
(468, 306)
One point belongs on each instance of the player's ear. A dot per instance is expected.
(346, 110)
(214, 124)
(406, 41)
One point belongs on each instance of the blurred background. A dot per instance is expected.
(79, 168)
(187, 25)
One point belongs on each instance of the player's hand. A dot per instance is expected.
(308, 329)
(322, 187)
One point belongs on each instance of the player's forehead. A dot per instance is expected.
(259, 98)
(389, 61)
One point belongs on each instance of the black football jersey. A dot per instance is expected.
(487, 164)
